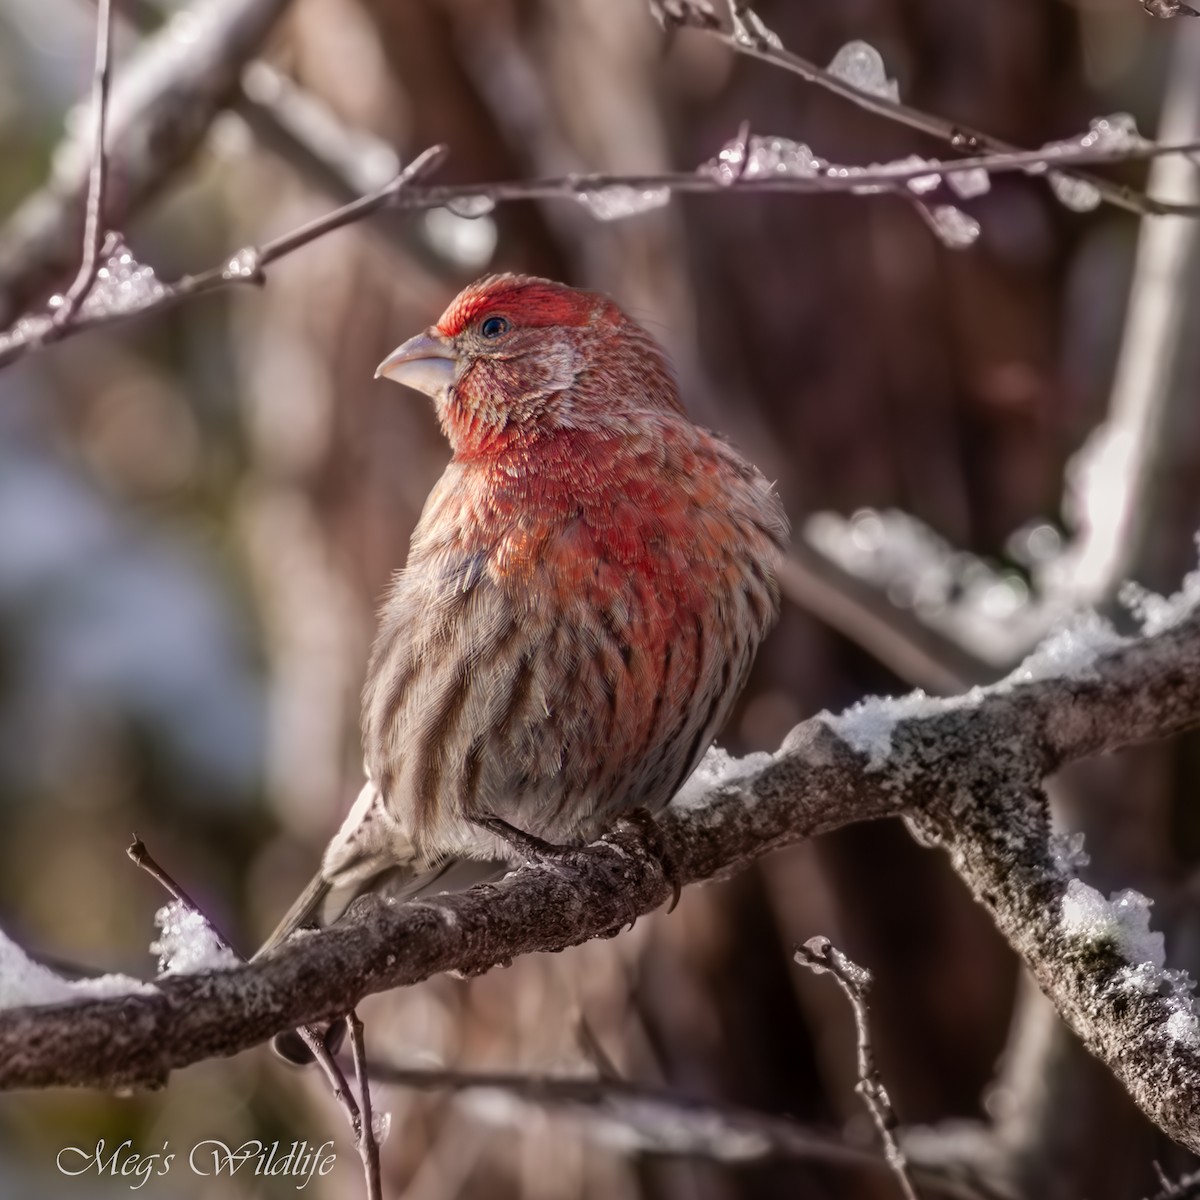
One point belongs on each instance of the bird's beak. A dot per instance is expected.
(425, 362)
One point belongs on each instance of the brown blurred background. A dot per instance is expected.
(198, 514)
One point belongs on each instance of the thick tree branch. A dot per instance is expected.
(969, 771)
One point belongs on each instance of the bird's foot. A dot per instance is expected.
(639, 821)
(534, 848)
(642, 821)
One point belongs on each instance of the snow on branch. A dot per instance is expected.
(967, 772)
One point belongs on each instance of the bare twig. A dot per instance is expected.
(93, 223)
(916, 651)
(141, 857)
(820, 955)
(368, 1146)
(342, 1092)
(246, 266)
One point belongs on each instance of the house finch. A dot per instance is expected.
(584, 595)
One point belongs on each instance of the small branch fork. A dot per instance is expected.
(359, 1118)
(821, 956)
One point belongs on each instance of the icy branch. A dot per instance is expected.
(111, 285)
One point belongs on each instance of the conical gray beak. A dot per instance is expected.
(425, 362)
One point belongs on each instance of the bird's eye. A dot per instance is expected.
(493, 327)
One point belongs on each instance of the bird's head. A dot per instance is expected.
(516, 358)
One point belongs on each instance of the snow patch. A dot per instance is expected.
(1124, 920)
(717, 769)
(25, 982)
(866, 727)
(188, 943)
(1068, 653)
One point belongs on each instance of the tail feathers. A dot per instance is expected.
(322, 902)
(305, 911)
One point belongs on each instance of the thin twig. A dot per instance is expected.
(343, 1094)
(368, 1146)
(93, 222)
(141, 856)
(594, 1049)
(820, 955)
(245, 266)
(665, 1121)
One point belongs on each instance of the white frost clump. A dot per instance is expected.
(718, 768)
(1116, 133)
(188, 943)
(618, 201)
(954, 227)
(861, 65)
(1070, 652)
(763, 157)
(381, 1125)
(1125, 920)
(23, 981)
(1079, 195)
(1066, 849)
(867, 726)
(972, 182)
(1160, 613)
(1183, 1025)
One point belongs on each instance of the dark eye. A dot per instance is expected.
(493, 327)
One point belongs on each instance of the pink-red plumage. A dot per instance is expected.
(585, 592)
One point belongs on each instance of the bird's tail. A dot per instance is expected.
(369, 853)
(306, 910)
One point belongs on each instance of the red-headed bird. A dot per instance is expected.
(584, 595)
